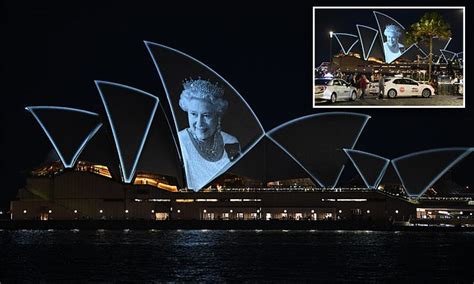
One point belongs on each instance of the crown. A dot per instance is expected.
(203, 87)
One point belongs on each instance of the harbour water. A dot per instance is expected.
(234, 255)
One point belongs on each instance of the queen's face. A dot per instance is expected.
(202, 118)
(392, 40)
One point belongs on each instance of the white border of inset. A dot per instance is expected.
(383, 8)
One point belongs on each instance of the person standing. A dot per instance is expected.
(362, 86)
(381, 86)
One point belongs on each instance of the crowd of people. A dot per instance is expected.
(361, 81)
(358, 80)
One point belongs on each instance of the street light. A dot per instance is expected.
(330, 46)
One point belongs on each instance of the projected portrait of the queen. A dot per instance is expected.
(206, 148)
(392, 46)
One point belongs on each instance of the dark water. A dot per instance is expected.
(210, 256)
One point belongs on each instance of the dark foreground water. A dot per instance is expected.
(186, 255)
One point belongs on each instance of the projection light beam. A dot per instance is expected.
(370, 43)
(68, 151)
(374, 161)
(350, 43)
(123, 104)
(433, 167)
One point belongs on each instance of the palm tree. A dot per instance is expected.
(431, 25)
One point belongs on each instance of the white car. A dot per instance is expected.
(397, 87)
(333, 90)
(373, 88)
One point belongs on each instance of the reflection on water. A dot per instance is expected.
(233, 255)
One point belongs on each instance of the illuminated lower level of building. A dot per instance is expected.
(88, 196)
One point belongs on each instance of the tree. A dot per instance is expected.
(430, 25)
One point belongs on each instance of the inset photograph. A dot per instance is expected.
(388, 57)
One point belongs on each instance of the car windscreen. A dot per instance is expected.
(321, 82)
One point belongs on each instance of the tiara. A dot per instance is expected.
(200, 86)
(392, 28)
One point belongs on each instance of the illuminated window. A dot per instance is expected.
(184, 200)
(208, 216)
(206, 200)
(161, 215)
(298, 216)
(268, 216)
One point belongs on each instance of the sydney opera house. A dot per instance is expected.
(197, 151)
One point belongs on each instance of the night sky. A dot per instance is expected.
(53, 52)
